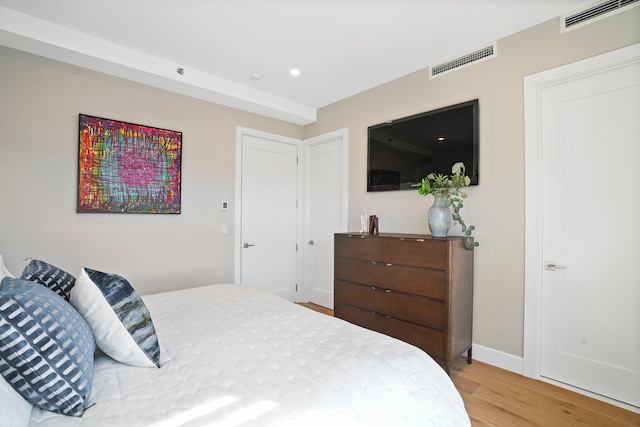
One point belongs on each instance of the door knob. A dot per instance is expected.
(311, 242)
(551, 265)
(246, 245)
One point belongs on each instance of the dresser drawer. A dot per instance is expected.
(426, 253)
(401, 306)
(358, 246)
(427, 339)
(417, 281)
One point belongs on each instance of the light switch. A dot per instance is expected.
(225, 205)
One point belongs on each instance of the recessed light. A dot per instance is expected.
(255, 76)
(294, 72)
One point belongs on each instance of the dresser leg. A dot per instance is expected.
(469, 356)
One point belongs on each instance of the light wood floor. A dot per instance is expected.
(495, 397)
(317, 308)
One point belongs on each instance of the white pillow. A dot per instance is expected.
(16, 411)
(4, 273)
(120, 321)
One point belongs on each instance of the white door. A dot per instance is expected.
(590, 292)
(326, 212)
(268, 215)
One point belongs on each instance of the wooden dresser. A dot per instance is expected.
(413, 287)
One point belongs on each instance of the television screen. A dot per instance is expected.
(403, 151)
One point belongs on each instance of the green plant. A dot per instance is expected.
(449, 187)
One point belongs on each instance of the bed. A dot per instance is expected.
(235, 356)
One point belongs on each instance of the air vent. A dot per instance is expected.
(591, 14)
(471, 58)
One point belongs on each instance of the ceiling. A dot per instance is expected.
(341, 47)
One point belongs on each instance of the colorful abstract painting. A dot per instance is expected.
(128, 168)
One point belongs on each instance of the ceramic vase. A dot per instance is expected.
(439, 217)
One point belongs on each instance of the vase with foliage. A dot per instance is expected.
(447, 193)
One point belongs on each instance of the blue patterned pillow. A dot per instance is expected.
(46, 347)
(59, 281)
(119, 319)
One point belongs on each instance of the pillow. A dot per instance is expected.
(16, 411)
(46, 347)
(3, 270)
(120, 321)
(59, 281)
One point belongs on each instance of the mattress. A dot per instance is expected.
(235, 356)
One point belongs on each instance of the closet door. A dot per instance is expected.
(325, 207)
(269, 218)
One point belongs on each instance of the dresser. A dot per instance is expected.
(413, 287)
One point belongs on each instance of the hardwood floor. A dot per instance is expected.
(317, 308)
(495, 397)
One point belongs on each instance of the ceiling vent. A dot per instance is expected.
(590, 14)
(463, 61)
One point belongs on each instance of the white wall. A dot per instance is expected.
(39, 105)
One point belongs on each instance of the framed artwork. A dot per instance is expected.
(128, 168)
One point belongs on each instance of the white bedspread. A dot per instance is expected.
(234, 356)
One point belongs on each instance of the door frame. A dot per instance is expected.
(240, 133)
(343, 136)
(534, 86)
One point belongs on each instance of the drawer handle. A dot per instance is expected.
(381, 315)
(373, 287)
(388, 291)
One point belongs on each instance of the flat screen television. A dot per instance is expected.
(401, 152)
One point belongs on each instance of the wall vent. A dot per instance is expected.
(466, 60)
(590, 14)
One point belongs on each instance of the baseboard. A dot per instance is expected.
(497, 358)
